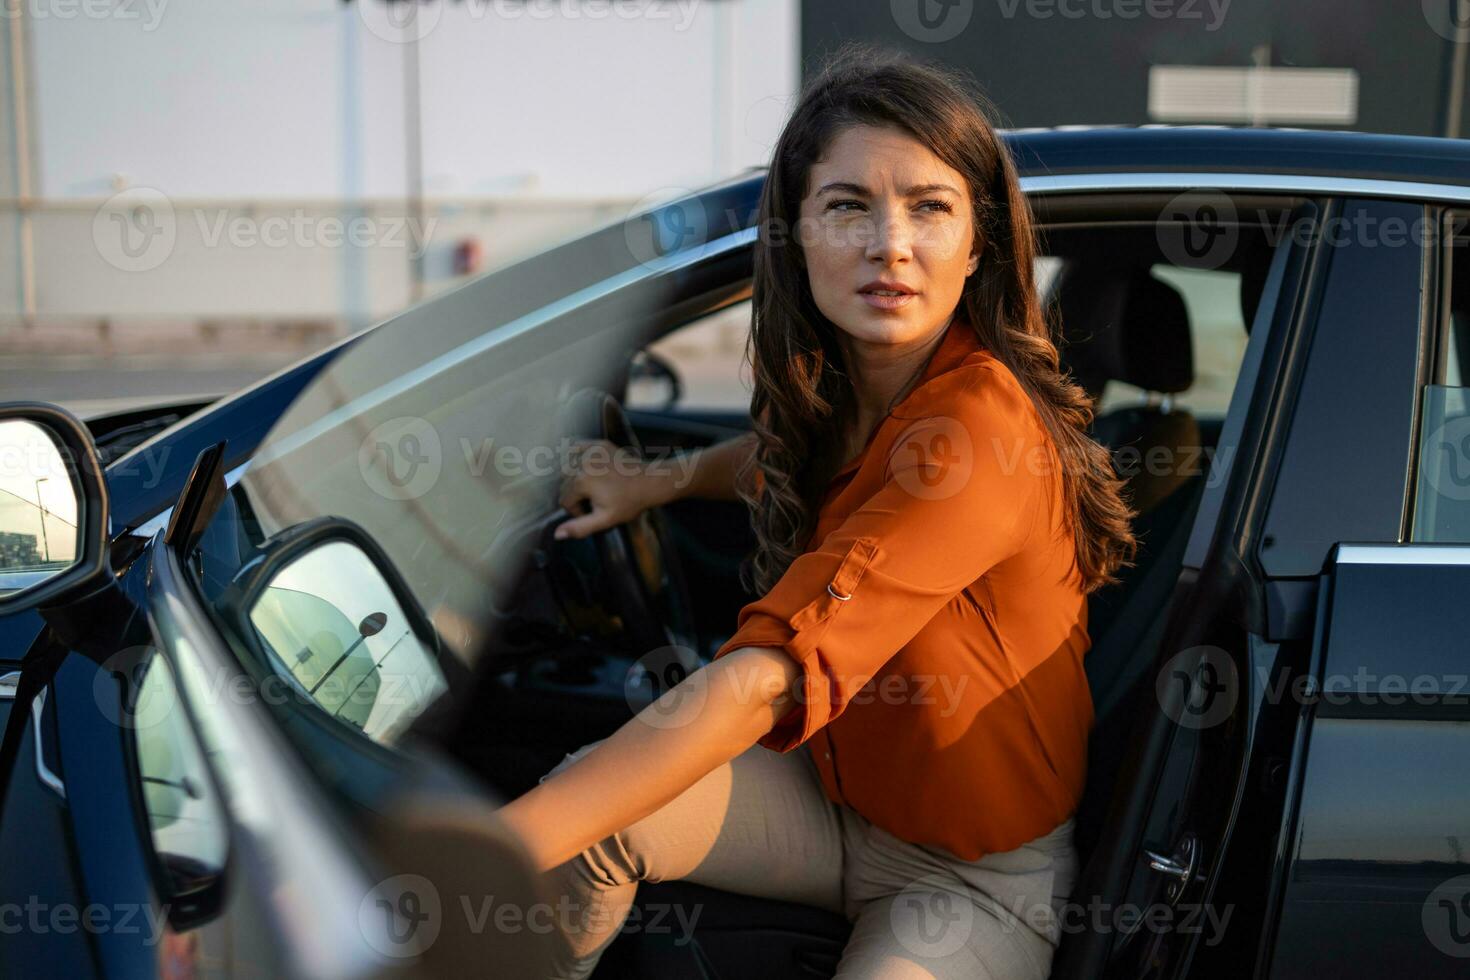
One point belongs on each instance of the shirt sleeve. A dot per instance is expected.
(962, 491)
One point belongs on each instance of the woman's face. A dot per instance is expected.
(882, 208)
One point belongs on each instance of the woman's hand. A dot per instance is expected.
(609, 485)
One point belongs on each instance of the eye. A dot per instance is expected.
(943, 206)
(837, 205)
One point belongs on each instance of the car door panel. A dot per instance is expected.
(1378, 825)
(38, 868)
(91, 729)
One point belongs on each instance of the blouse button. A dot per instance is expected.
(827, 756)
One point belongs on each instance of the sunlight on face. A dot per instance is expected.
(880, 206)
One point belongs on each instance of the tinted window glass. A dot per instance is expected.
(1217, 332)
(185, 819)
(1442, 497)
(1344, 470)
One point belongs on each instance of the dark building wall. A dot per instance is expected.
(1089, 65)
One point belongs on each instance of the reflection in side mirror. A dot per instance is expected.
(330, 623)
(372, 624)
(53, 507)
(38, 507)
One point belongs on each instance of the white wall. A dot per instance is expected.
(301, 98)
(275, 106)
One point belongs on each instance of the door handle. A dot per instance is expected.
(44, 772)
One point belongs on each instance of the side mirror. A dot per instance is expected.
(53, 507)
(647, 373)
(322, 609)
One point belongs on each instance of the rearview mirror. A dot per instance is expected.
(53, 507)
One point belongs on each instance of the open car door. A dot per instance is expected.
(1373, 849)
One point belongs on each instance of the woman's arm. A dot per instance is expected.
(714, 468)
(615, 495)
(713, 715)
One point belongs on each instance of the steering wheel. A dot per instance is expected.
(640, 563)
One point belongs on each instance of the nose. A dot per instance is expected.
(892, 238)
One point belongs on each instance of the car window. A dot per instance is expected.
(186, 821)
(444, 435)
(1343, 473)
(1442, 492)
(1218, 334)
(708, 356)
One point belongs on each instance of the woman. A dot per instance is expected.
(930, 516)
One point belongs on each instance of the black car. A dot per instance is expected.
(264, 675)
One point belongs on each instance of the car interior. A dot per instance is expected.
(1152, 333)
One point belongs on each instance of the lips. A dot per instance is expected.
(883, 287)
(887, 297)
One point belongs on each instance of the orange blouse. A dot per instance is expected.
(940, 623)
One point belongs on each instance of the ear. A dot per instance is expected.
(973, 264)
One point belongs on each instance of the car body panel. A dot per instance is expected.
(1379, 821)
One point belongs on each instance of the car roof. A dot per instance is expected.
(1223, 149)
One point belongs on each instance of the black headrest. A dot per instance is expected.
(1125, 325)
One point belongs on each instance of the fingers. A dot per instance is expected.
(573, 492)
(597, 504)
(580, 527)
(574, 499)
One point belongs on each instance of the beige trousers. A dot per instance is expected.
(761, 825)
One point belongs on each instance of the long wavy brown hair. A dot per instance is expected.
(802, 402)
